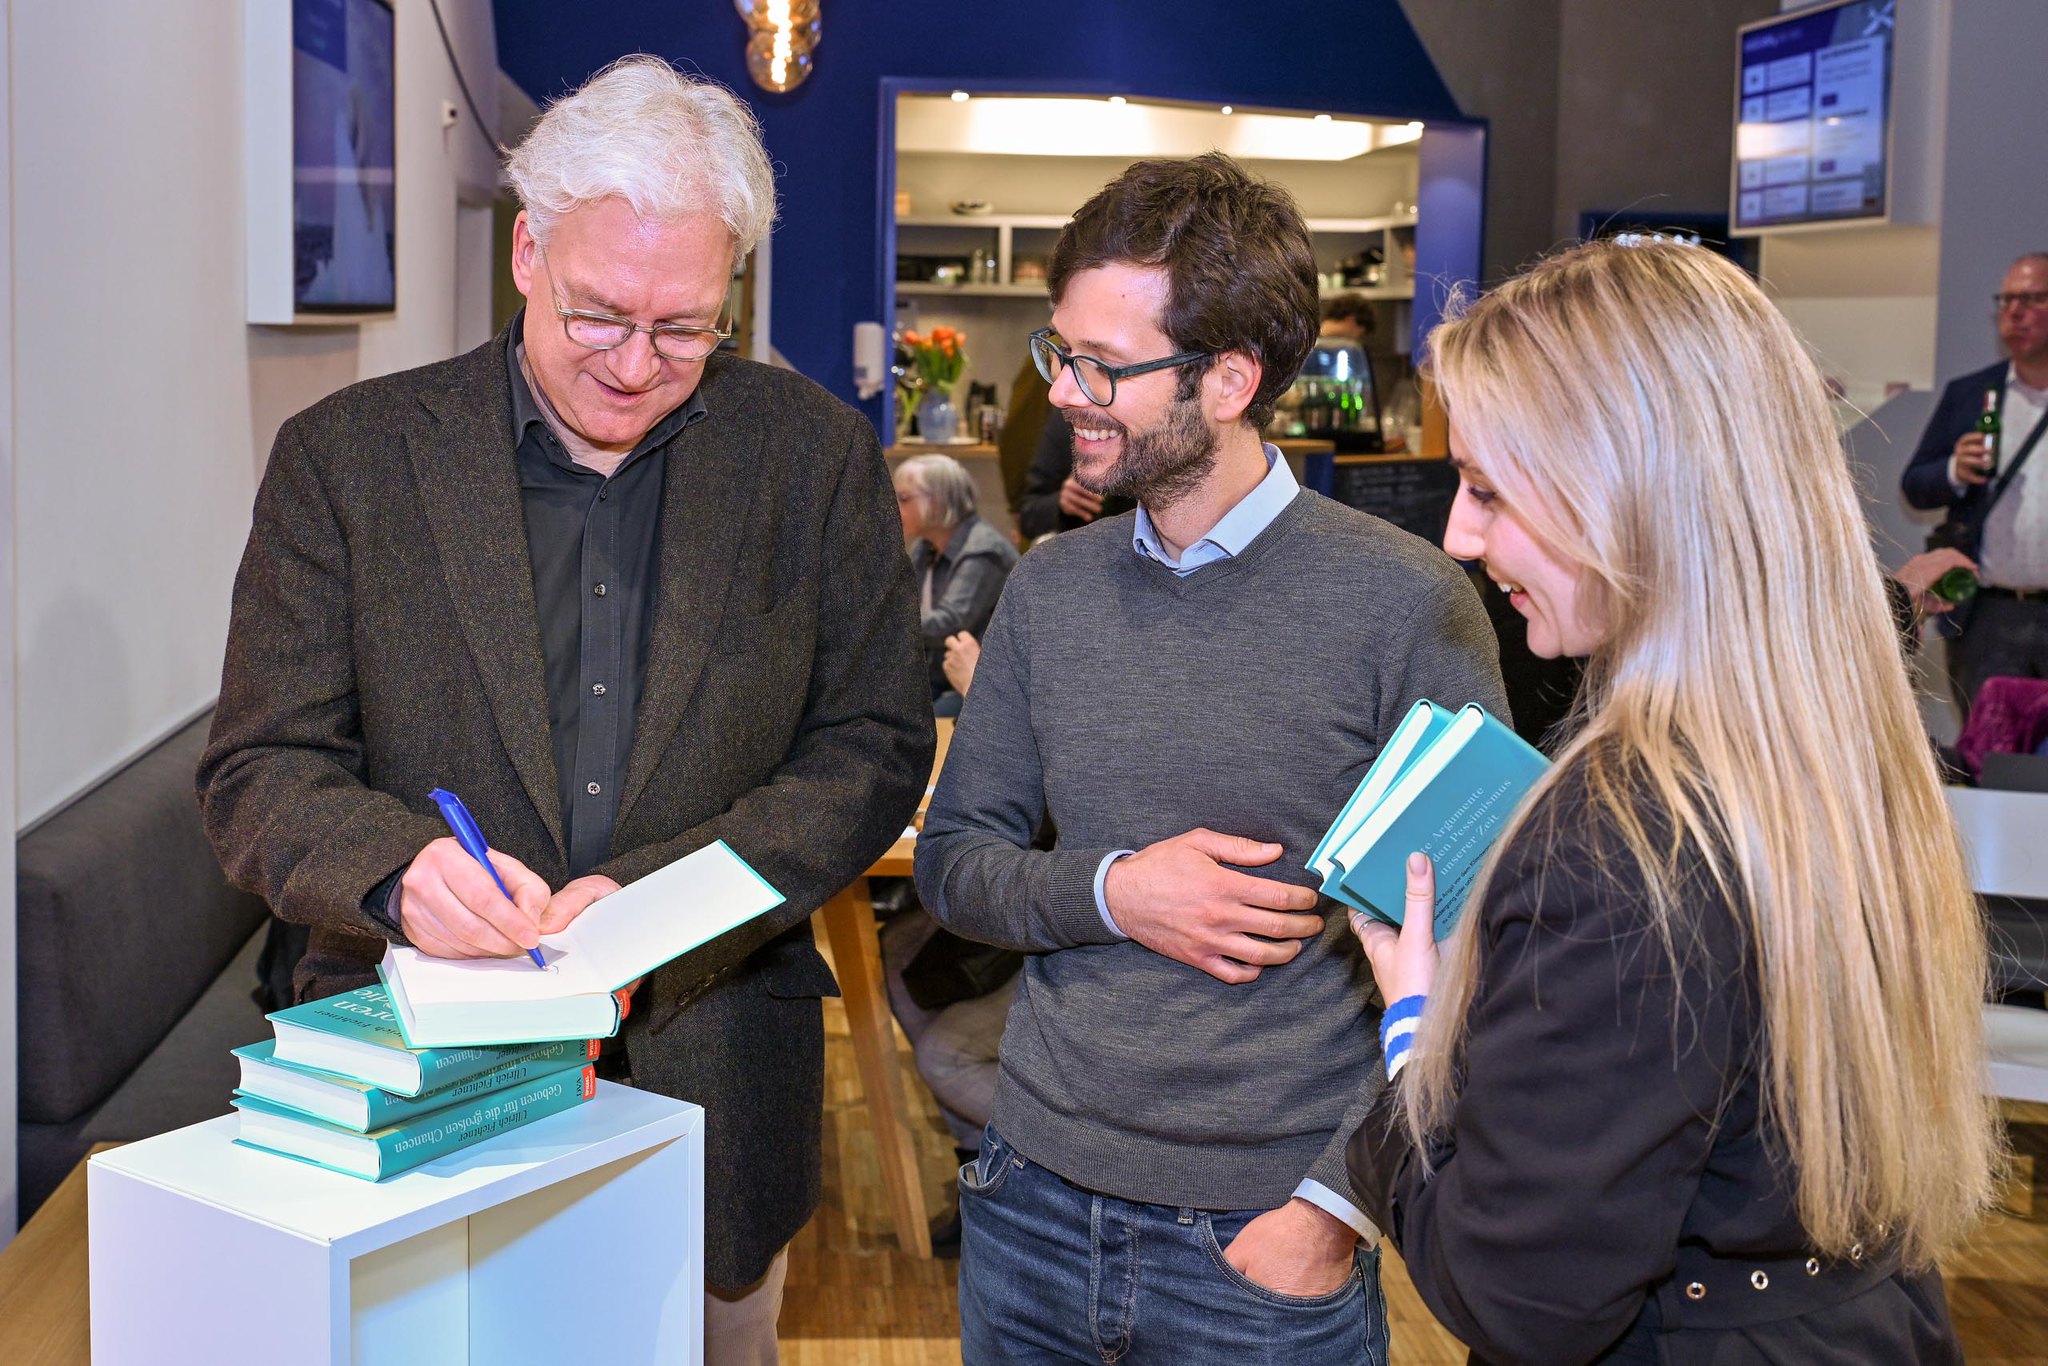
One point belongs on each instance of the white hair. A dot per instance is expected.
(945, 482)
(670, 145)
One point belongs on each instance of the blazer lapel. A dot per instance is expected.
(469, 487)
(706, 491)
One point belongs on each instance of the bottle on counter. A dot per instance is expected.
(1987, 427)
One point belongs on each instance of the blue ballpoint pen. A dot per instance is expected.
(472, 840)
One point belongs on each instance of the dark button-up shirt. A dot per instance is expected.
(595, 545)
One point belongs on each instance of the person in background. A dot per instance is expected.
(1023, 421)
(627, 594)
(952, 997)
(1347, 317)
(1163, 1177)
(1053, 498)
(1912, 588)
(1696, 1076)
(959, 561)
(1999, 518)
(963, 653)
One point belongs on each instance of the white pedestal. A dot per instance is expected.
(577, 1238)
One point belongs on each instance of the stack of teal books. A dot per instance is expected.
(338, 1087)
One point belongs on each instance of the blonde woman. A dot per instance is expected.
(1696, 1079)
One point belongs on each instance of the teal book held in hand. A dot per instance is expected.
(1451, 781)
(387, 1152)
(358, 1105)
(356, 1035)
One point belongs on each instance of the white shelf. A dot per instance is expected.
(1378, 224)
(1401, 291)
(984, 220)
(927, 289)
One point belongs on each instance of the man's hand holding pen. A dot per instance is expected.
(449, 907)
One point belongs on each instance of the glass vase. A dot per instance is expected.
(938, 421)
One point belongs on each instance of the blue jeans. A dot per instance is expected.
(1053, 1273)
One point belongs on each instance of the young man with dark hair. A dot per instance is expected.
(1190, 691)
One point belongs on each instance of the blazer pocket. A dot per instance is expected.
(795, 970)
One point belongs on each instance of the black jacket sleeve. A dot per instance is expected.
(1584, 1120)
(1038, 507)
(1925, 480)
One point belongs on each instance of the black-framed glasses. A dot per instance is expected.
(2030, 298)
(1096, 378)
(608, 331)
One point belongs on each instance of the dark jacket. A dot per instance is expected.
(967, 578)
(385, 642)
(1925, 479)
(1038, 507)
(1606, 1150)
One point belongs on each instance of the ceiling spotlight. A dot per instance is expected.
(1116, 99)
(1322, 118)
(1228, 110)
(959, 97)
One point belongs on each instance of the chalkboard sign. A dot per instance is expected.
(1414, 495)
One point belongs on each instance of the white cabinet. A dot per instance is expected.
(576, 1238)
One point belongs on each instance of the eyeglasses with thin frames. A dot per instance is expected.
(608, 331)
(2031, 298)
(1096, 378)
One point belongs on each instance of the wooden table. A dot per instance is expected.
(849, 921)
(43, 1279)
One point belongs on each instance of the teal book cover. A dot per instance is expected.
(1450, 803)
(386, 1152)
(356, 1034)
(358, 1105)
(1425, 721)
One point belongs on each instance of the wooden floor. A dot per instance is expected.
(854, 1301)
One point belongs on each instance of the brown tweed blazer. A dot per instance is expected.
(384, 642)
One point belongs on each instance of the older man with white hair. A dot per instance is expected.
(627, 594)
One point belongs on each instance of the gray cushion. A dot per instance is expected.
(123, 920)
(189, 1076)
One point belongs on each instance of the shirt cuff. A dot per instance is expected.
(1337, 1207)
(1955, 485)
(1101, 878)
(383, 905)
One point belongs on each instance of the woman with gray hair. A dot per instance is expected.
(960, 561)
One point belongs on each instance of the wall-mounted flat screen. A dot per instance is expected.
(1813, 117)
(344, 157)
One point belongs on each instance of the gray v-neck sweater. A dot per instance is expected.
(1131, 705)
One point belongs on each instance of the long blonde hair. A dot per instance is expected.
(1648, 415)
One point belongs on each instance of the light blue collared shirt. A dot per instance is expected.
(1235, 530)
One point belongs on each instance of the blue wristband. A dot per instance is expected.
(1397, 1029)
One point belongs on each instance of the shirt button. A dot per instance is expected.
(592, 788)
(597, 690)
(599, 590)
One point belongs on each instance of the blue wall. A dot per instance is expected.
(1343, 56)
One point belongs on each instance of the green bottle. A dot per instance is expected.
(1987, 427)
(1958, 585)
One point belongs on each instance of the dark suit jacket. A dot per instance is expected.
(385, 641)
(1609, 1132)
(1925, 479)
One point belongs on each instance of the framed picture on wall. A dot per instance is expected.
(321, 160)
